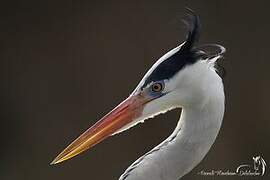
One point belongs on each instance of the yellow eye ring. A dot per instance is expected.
(157, 87)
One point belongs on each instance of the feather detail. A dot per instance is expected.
(194, 26)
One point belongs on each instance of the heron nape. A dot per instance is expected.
(186, 77)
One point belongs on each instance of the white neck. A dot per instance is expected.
(195, 133)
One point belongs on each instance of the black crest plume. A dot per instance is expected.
(194, 26)
(186, 55)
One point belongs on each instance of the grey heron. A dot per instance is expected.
(185, 77)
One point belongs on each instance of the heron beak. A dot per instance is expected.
(124, 113)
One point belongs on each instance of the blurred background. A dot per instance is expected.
(66, 64)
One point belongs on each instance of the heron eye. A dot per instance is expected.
(157, 87)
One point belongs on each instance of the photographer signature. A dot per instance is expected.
(257, 169)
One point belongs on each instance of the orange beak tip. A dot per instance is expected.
(122, 115)
(55, 161)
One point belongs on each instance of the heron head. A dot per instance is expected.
(179, 78)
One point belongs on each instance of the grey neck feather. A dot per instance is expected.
(195, 133)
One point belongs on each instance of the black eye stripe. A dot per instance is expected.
(169, 67)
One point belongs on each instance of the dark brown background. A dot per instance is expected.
(65, 64)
